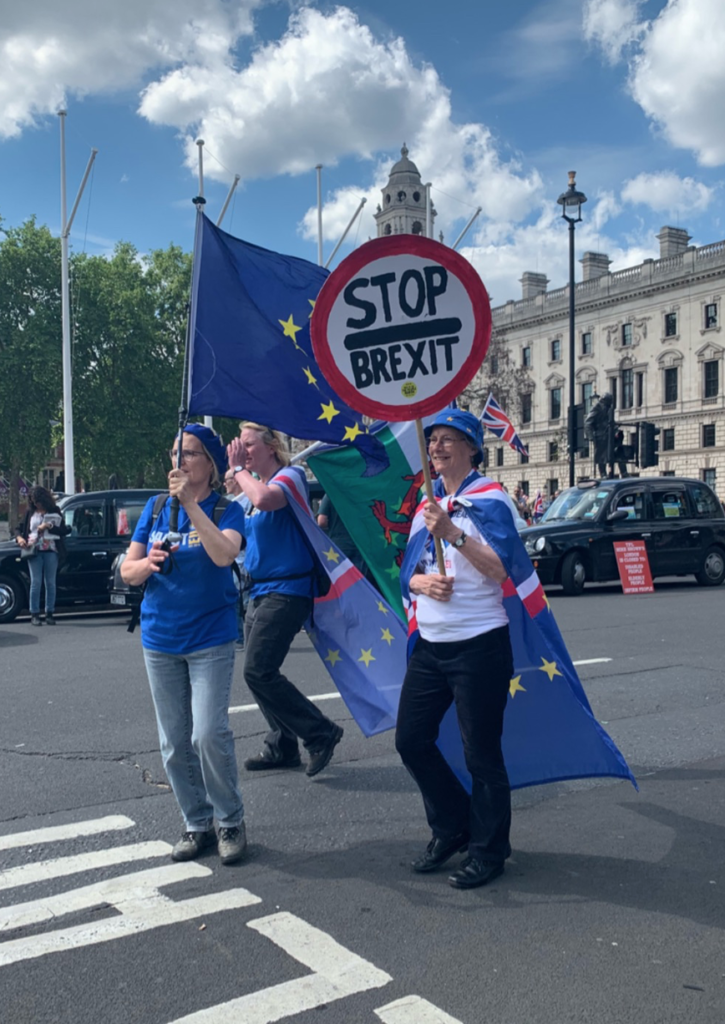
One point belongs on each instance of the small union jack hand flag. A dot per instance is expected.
(499, 424)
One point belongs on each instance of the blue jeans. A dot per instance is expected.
(43, 565)
(191, 698)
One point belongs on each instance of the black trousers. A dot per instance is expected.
(475, 674)
(271, 624)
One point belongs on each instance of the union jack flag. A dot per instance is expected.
(499, 424)
(538, 507)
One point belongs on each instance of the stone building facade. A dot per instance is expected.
(651, 335)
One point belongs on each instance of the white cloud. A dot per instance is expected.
(678, 78)
(666, 192)
(613, 25)
(49, 51)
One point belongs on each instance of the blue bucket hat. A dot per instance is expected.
(213, 444)
(466, 423)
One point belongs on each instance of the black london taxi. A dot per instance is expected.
(100, 525)
(681, 522)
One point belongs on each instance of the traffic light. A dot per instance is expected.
(581, 445)
(649, 445)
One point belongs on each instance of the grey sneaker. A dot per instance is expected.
(50, 620)
(192, 844)
(35, 620)
(232, 844)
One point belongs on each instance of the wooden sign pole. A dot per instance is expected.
(429, 491)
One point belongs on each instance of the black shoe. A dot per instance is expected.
(320, 759)
(232, 844)
(192, 844)
(474, 872)
(35, 620)
(49, 620)
(264, 761)
(439, 851)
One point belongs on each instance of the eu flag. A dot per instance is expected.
(251, 354)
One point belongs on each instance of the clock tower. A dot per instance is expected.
(403, 207)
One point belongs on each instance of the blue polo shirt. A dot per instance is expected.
(194, 606)
(276, 548)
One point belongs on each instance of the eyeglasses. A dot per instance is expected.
(185, 454)
(445, 442)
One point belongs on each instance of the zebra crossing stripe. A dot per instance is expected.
(337, 973)
(414, 1010)
(59, 867)
(57, 833)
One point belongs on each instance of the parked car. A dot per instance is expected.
(681, 522)
(101, 524)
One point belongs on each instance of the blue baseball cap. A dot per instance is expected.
(466, 423)
(213, 444)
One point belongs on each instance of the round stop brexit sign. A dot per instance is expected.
(401, 327)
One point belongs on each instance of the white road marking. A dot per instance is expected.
(111, 890)
(336, 696)
(337, 973)
(57, 833)
(26, 874)
(140, 911)
(414, 1010)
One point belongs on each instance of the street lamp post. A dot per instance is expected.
(571, 210)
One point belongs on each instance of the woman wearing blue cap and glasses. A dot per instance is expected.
(463, 656)
(188, 631)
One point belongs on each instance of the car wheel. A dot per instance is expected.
(573, 573)
(12, 598)
(712, 573)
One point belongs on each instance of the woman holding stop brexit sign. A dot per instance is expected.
(462, 656)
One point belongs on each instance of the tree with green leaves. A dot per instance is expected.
(31, 384)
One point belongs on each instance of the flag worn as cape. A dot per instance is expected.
(251, 354)
(495, 419)
(361, 640)
(550, 732)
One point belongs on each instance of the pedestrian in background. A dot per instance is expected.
(40, 537)
(283, 572)
(188, 630)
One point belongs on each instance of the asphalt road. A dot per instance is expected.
(611, 910)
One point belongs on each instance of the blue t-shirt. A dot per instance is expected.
(275, 548)
(194, 606)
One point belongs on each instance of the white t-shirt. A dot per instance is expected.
(477, 603)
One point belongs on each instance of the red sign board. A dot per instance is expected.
(633, 566)
(401, 327)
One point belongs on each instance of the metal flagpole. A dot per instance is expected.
(344, 234)
(318, 168)
(66, 223)
(208, 420)
(230, 193)
(465, 230)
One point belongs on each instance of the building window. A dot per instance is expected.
(552, 486)
(587, 343)
(626, 334)
(526, 408)
(639, 384)
(499, 456)
(627, 389)
(523, 459)
(494, 365)
(711, 314)
(712, 378)
(553, 451)
(670, 325)
(556, 350)
(587, 397)
(613, 391)
(667, 472)
(709, 477)
(668, 439)
(555, 403)
(670, 385)
(708, 435)
(526, 357)
(524, 485)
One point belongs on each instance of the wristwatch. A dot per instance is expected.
(238, 469)
(460, 541)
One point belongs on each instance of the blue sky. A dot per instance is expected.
(495, 101)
